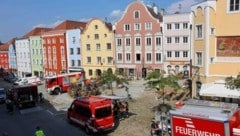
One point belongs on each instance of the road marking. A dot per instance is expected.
(50, 112)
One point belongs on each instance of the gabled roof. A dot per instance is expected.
(4, 47)
(69, 24)
(37, 31)
(155, 15)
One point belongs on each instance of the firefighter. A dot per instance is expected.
(39, 132)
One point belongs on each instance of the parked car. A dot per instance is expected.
(2, 95)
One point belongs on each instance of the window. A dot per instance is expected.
(177, 26)
(96, 26)
(73, 40)
(169, 26)
(199, 31)
(78, 51)
(109, 47)
(136, 14)
(119, 55)
(88, 47)
(128, 41)
(177, 39)
(109, 60)
(89, 60)
(119, 42)
(127, 27)
(98, 47)
(148, 26)
(185, 25)
(149, 41)
(71, 51)
(78, 62)
(72, 62)
(138, 41)
(185, 39)
(169, 54)
(234, 5)
(128, 57)
(103, 112)
(158, 57)
(137, 27)
(83, 111)
(96, 36)
(169, 40)
(158, 41)
(199, 58)
(185, 54)
(138, 57)
(90, 72)
(99, 60)
(61, 40)
(177, 54)
(149, 57)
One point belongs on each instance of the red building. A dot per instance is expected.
(4, 57)
(55, 47)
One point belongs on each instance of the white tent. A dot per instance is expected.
(218, 89)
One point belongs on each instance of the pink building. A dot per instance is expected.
(138, 40)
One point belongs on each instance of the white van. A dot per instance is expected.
(28, 80)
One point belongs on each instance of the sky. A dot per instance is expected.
(17, 17)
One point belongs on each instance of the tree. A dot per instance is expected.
(107, 78)
(157, 80)
(233, 83)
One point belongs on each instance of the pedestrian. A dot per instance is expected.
(154, 128)
(121, 109)
(39, 132)
(126, 109)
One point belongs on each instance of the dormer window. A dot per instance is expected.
(136, 14)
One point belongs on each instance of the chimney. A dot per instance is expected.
(162, 11)
(155, 8)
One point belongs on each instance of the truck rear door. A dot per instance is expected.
(189, 126)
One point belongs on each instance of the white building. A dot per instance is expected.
(176, 41)
(23, 57)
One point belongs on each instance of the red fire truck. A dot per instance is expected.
(93, 113)
(61, 83)
(205, 118)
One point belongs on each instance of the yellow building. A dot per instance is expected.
(97, 50)
(215, 39)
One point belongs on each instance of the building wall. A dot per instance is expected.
(23, 57)
(36, 55)
(174, 62)
(221, 40)
(4, 63)
(73, 43)
(96, 67)
(12, 58)
(134, 66)
(55, 53)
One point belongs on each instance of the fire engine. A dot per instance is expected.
(205, 118)
(93, 113)
(61, 83)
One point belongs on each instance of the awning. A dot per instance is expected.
(218, 90)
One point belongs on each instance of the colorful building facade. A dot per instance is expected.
(138, 40)
(98, 51)
(216, 39)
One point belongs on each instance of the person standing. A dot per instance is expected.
(126, 109)
(39, 132)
